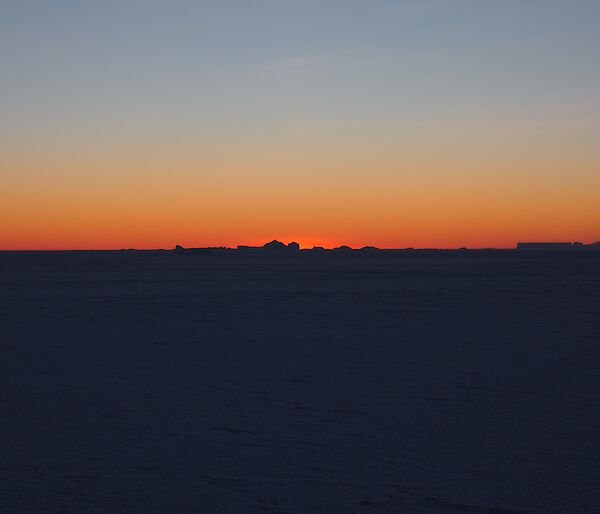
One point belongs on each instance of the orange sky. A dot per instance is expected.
(405, 196)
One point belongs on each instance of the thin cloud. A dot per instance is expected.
(305, 60)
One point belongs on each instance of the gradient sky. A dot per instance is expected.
(146, 123)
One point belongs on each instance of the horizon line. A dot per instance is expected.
(574, 244)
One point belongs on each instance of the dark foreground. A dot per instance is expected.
(141, 382)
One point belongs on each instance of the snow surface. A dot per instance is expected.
(149, 382)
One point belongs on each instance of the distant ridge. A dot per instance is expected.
(541, 246)
(279, 248)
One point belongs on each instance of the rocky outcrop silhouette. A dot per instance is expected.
(196, 251)
(275, 245)
(279, 246)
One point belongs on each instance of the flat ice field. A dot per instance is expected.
(149, 382)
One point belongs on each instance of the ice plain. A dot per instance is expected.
(149, 382)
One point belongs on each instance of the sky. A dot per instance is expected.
(424, 123)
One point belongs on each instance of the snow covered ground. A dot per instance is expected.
(149, 382)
